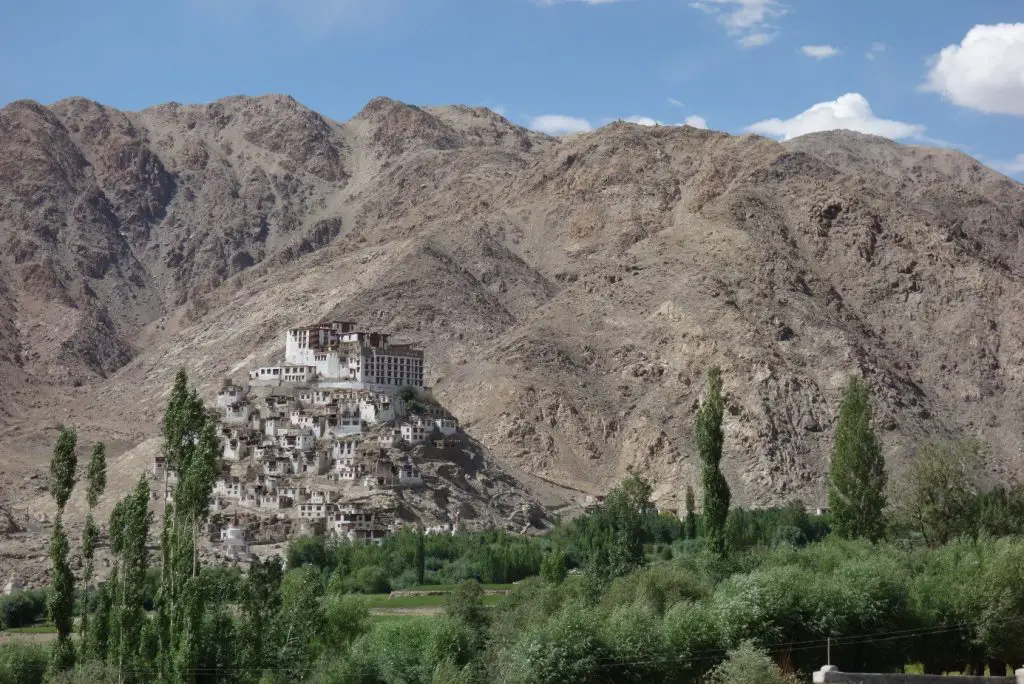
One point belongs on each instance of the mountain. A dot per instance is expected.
(570, 292)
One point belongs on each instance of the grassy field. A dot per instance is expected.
(47, 628)
(385, 607)
(450, 587)
(384, 601)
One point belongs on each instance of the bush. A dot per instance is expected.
(639, 650)
(749, 665)
(87, 673)
(466, 603)
(345, 618)
(371, 580)
(690, 631)
(553, 568)
(23, 663)
(565, 649)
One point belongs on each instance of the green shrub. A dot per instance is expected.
(371, 580)
(23, 663)
(565, 649)
(748, 665)
(638, 648)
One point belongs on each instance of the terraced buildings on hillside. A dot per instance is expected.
(323, 439)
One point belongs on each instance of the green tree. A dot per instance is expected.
(62, 467)
(629, 507)
(129, 532)
(690, 525)
(97, 638)
(260, 606)
(466, 602)
(345, 618)
(191, 448)
(939, 497)
(300, 622)
(97, 475)
(553, 568)
(856, 495)
(61, 600)
(421, 557)
(709, 442)
(60, 603)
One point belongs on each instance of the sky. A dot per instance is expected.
(926, 72)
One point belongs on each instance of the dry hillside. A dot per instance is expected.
(570, 293)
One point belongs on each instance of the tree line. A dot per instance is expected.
(622, 593)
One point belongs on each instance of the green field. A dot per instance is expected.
(450, 587)
(384, 601)
(47, 628)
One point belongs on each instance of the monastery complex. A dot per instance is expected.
(326, 442)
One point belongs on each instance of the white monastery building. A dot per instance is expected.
(335, 421)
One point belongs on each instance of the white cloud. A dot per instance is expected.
(556, 124)
(675, 103)
(984, 72)
(851, 112)
(749, 21)
(692, 120)
(753, 40)
(876, 49)
(643, 121)
(1012, 167)
(819, 51)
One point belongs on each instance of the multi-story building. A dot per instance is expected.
(338, 352)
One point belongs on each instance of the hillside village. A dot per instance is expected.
(345, 440)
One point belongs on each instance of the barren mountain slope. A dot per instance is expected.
(570, 293)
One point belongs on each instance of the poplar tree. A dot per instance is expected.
(260, 607)
(709, 442)
(191, 448)
(129, 531)
(856, 494)
(61, 600)
(421, 557)
(97, 475)
(690, 524)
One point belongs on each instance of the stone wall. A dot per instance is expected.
(830, 675)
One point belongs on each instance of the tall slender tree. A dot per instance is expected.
(690, 524)
(61, 600)
(97, 475)
(129, 532)
(856, 494)
(190, 449)
(421, 556)
(260, 606)
(709, 441)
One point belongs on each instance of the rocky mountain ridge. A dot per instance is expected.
(570, 293)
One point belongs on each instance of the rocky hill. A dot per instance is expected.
(570, 293)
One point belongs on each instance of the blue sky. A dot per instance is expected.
(943, 72)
